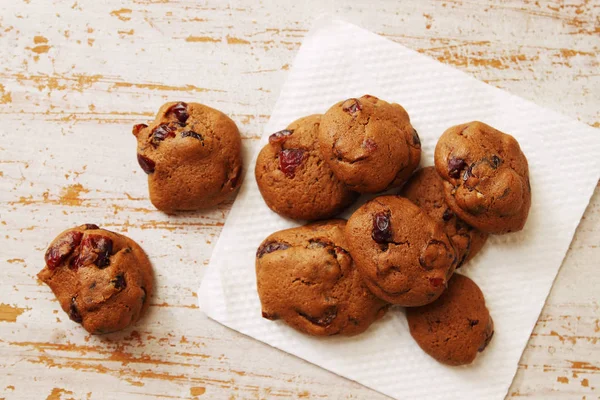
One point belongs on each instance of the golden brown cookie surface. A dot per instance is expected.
(293, 178)
(369, 143)
(102, 280)
(192, 155)
(306, 277)
(426, 189)
(455, 327)
(403, 255)
(486, 177)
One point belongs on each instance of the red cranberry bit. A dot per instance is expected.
(448, 214)
(180, 111)
(351, 106)
(370, 98)
(289, 160)
(119, 282)
(193, 134)
(271, 317)
(281, 136)
(147, 164)
(94, 249)
(370, 145)
(473, 322)
(270, 247)
(74, 311)
(455, 166)
(382, 232)
(437, 282)
(90, 226)
(495, 162)
(416, 139)
(138, 128)
(161, 132)
(325, 320)
(62, 248)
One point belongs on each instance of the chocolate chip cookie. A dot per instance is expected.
(306, 277)
(369, 144)
(455, 327)
(292, 177)
(101, 279)
(192, 155)
(426, 189)
(403, 255)
(486, 177)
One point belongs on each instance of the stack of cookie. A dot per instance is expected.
(337, 277)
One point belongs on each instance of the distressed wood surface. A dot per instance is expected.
(76, 75)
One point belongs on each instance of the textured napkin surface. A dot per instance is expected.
(338, 60)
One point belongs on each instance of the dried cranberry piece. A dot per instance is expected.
(495, 162)
(281, 136)
(289, 160)
(74, 311)
(147, 164)
(271, 317)
(370, 145)
(416, 139)
(448, 214)
(370, 97)
(94, 249)
(119, 282)
(161, 132)
(90, 226)
(62, 248)
(194, 135)
(473, 322)
(180, 111)
(455, 166)
(437, 282)
(270, 247)
(137, 129)
(382, 232)
(351, 106)
(324, 320)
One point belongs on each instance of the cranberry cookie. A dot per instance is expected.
(101, 279)
(403, 255)
(306, 277)
(486, 177)
(426, 189)
(369, 144)
(192, 155)
(455, 327)
(292, 177)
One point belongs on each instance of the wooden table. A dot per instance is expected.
(76, 75)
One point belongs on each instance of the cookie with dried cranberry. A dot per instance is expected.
(306, 277)
(369, 144)
(486, 177)
(455, 327)
(426, 189)
(292, 177)
(403, 255)
(102, 280)
(192, 155)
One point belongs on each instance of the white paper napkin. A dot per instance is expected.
(338, 60)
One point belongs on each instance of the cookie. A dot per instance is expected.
(292, 177)
(102, 280)
(369, 144)
(192, 155)
(306, 277)
(486, 177)
(455, 327)
(426, 189)
(403, 255)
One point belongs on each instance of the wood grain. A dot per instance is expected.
(76, 75)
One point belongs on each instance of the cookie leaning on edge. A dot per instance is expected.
(306, 277)
(102, 280)
(486, 177)
(293, 178)
(455, 327)
(369, 144)
(192, 155)
(426, 189)
(403, 255)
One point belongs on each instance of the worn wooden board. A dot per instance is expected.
(76, 75)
